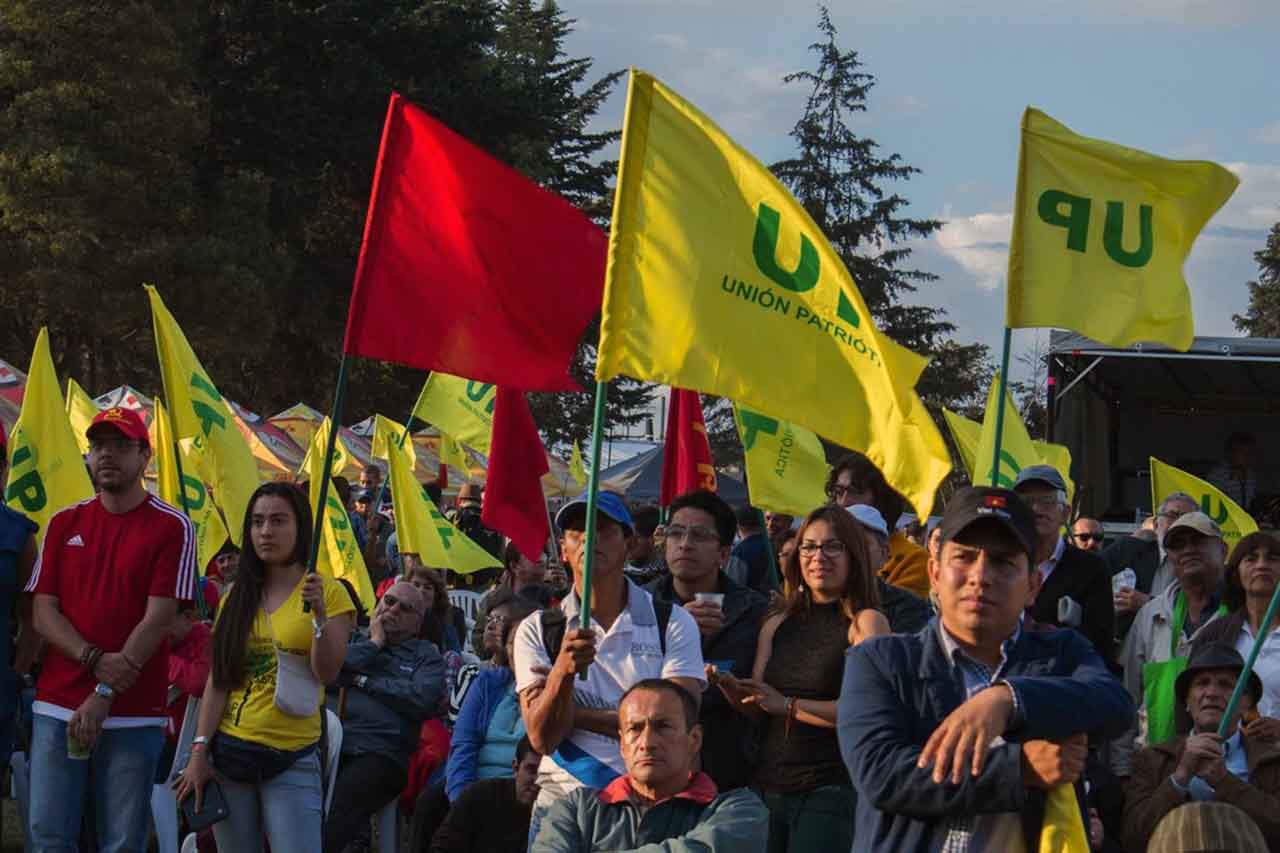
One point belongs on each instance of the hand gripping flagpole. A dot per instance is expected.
(593, 494)
(1243, 680)
(1004, 384)
(317, 530)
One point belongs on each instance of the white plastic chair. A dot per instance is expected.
(469, 603)
(388, 820)
(164, 805)
(333, 753)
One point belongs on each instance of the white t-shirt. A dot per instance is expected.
(625, 654)
(1267, 667)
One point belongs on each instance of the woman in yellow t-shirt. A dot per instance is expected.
(259, 722)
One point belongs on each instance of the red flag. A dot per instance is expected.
(513, 502)
(468, 267)
(686, 457)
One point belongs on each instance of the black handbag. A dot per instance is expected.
(213, 807)
(252, 763)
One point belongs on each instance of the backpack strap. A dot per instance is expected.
(554, 622)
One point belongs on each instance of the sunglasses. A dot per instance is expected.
(1089, 537)
(392, 601)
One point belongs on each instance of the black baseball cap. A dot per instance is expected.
(981, 503)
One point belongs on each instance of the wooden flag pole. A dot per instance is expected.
(593, 494)
(317, 530)
(1002, 390)
(1243, 680)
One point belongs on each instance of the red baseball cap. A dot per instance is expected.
(127, 422)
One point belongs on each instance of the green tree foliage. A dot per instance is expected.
(224, 151)
(1262, 318)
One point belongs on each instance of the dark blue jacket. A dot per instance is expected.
(898, 689)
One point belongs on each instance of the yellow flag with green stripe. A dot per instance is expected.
(460, 407)
(786, 465)
(199, 411)
(81, 410)
(719, 281)
(577, 470)
(46, 470)
(968, 436)
(386, 438)
(1100, 233)
(420, 528)
(1234, 521)
(194, 498)
(339, 553)
(453, 454)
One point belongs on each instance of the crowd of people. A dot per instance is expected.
(746, 682)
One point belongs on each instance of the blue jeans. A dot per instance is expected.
(287, 809)
(121, 769)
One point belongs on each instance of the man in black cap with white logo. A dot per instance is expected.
(953, 735)
(1075, 586)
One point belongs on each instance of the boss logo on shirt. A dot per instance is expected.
(646, 650)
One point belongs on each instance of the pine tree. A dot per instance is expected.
(1262, 319)
(841, 178)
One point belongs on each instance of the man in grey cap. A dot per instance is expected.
(1075, 587)
(1167, 624)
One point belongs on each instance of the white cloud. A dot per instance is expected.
(979, 244)
(1267, 134)
(1256, 203)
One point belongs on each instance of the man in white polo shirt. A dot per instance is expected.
(574, 723)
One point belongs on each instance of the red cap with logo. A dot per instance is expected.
(127, 422)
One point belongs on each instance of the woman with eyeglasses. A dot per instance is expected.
(259, 724)
(829, 605)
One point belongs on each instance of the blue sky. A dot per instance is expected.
(1180, 78)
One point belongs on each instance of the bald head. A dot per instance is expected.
(1087, 534)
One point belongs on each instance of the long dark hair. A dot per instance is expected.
(860, 590)
(238, 612)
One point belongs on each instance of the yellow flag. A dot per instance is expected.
(339, 554)
(1234, 521)
(211, 531)
(341, 455)
(198, 411)
(1100, 233)
(386, 437)
(46, 470)
(1063, 828)
(453, 455)
(968, 436)
(719, 281)
(786, 465)
(421, 529)
(81, 410)
(460, 407)
(577, 470)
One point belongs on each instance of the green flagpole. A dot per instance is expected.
(317, 530)
(1248, 664)
(202, 607)
(593, 494)
(1004, 383)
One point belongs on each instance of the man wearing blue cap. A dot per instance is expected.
(1075, 586)
(571, 722)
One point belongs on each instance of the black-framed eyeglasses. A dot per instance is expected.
(393, 601)
(832, 548)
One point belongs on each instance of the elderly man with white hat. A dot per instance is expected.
(906, 611)
(1167, 624)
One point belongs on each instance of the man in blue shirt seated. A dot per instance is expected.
(953, 735)
(1244, 772)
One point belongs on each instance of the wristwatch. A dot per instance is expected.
(104, 690)
(318, 627)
